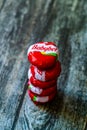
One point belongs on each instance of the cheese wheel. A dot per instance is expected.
(46, 75)
(42, 92)
(41, 84)
(41, 99)
(43, 54)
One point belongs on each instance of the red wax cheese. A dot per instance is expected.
(43, 55)
(42, 84)
(41, 99)
(42, 92)
(47, 75)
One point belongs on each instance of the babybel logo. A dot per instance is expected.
(44, 48)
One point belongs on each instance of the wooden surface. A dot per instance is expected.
(22, 23)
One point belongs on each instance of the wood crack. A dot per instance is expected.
(19, 107)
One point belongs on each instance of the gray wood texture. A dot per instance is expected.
(22, 23)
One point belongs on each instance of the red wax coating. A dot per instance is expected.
(42, 84)
(32, 96)
(43, 92)
(43, 55)
(42, 61)
(47, 75)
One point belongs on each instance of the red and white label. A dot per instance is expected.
(38, 75)
(36, 90)
(43, 48)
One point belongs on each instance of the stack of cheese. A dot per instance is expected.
(43, 72)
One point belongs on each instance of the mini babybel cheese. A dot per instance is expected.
(42, 92)
(41, 99)
(41, 84)
(43, 54)
(47, 75)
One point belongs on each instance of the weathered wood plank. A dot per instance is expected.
(25, 22)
